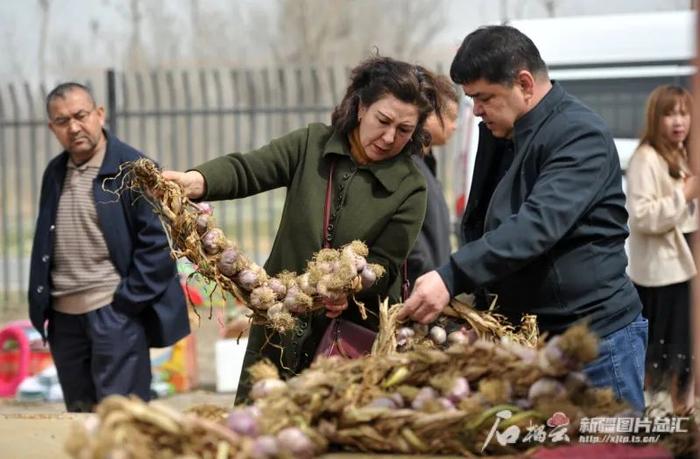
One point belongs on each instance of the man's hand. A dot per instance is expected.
(192, 182)
(428, 299)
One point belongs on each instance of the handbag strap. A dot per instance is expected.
(335, 323)
(327, 207)
(406, 284)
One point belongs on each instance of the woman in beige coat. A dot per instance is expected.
(661, 196)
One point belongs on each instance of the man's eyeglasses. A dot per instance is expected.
(81, 116)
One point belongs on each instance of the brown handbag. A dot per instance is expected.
(342, 337)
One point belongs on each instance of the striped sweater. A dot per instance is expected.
(82, 272)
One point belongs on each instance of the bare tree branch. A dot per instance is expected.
(135, 58)
(45, 6)
(327, 31)
(551, 7)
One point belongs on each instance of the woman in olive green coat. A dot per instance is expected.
(378, 195)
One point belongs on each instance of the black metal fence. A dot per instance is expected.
(179, 118)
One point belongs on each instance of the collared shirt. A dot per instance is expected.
(506, 160)
(82, 273)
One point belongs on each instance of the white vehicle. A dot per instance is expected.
(611, 63)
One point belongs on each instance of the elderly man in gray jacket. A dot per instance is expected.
(546, 223)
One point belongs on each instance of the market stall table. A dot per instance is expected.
(42, 436)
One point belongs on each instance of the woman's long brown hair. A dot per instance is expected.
(661, 102)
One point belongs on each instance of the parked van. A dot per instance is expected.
(611, 63)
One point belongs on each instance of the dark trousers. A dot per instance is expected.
(100, 353)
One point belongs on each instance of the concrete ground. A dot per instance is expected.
(206, 334)
(39, 429)
(16, 409)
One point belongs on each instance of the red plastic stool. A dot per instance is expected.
(27, 358)
(14, 363)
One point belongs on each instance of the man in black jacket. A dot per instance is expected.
(545, 224)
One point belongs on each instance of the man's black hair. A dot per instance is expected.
(62, 89)
(496, 54)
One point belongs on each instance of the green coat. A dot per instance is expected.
(382, 204)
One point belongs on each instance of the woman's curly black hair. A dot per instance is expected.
(378, 76)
